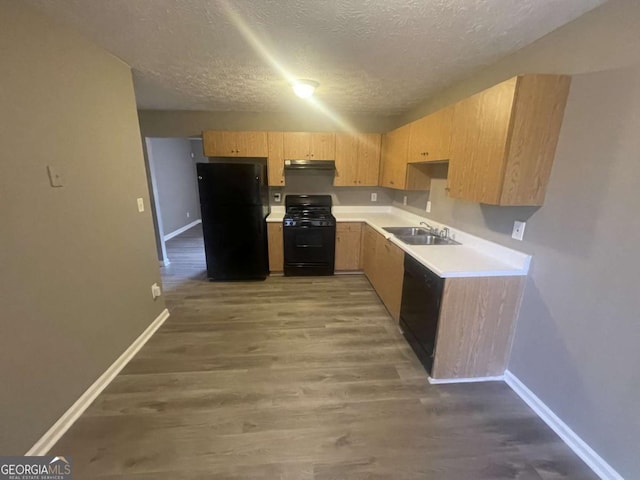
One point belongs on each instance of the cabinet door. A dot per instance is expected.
(368, 164)
(348, 246)
(430, 137)
(251, 144)
(369, 263)
(297, 145)
(540, 101)
(346, 160)
(323, 146)
(394, 158)
(391, 260)
(276, 248)
(479, 142)
(275, 160)
(219, 144)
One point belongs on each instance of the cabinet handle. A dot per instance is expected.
(391, 182)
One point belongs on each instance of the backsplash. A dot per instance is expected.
(491, 222)
(322, 183)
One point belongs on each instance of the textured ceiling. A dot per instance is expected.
(370, 56)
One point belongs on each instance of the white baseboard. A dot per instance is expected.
(49, 439)
(177, 232)
(579, 446)
(443, 381)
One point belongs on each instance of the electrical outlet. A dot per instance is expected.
(374, 197)
(404, 200)
(188, 214)
(277, 197)
(428, 207)
(155, 291)
(55, 177)
(518, 230)
(140, 205)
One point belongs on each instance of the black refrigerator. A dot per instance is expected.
(234, 200)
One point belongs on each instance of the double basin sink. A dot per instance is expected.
(419, 236)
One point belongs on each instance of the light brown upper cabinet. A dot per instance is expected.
(430, 137)
(309, 145)
(357, 159)
(396, 173)
(275, 160)
(234, 144)
(504, 140)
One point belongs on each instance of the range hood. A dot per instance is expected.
(310, 165)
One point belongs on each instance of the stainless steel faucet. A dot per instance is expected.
(444, 233)
(429, 227)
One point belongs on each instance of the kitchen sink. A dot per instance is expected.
(407, 231)
(419, 236)
(426, 240)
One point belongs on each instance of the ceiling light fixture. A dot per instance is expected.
(304, 88)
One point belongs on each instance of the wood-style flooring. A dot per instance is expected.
(298, 379)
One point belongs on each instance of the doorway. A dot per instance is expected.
(171, 170)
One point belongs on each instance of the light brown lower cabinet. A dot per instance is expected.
(348, 238)
(477, 314)
(475, 327)
(383, 264)
(276, 247)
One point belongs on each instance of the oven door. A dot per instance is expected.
(309, 250)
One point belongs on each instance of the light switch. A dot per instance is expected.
(140, 205)
(55, 177)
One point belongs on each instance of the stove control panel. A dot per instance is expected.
(292, 222)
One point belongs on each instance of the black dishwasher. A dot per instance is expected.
(420, 309)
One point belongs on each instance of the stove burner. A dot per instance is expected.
(308, 210)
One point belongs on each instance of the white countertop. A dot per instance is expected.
(475, 257)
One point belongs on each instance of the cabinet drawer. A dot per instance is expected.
(348, 227)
